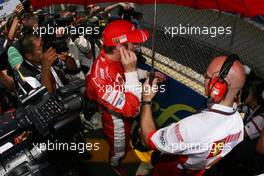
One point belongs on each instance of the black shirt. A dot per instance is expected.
(28, 77)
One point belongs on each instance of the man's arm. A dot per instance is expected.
(166, 139)
(147, 123)
(260, 144)
(7, 81)
(13, 28)
(110, 8)
(46, 76)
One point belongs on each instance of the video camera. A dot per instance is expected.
(53, 117)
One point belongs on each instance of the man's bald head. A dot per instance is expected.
(235, 77)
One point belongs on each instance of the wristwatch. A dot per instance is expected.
(146, 103)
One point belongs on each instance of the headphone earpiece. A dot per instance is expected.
(217, 89)
(217, 86)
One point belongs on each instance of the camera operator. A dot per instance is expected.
(73, 45)
(7, 84)
(5, 79)
(105, 12)
(253, 99)
(28, 22)
(11, 33)
(37, 67)
(13, 27)
(247, 160)
(124, 11)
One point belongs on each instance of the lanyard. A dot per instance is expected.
(53, 72)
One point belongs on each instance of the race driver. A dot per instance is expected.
(200, 140)
(113, 82)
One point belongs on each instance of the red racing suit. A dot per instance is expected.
(118, 92)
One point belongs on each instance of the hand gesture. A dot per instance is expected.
(128, 60)
(149, 92)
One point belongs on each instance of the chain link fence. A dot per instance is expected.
(189, 55)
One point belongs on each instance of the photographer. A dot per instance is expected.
(37, 68)
(253, 99)
(5, 79)
(106, 12)
(13, 27)
(28, 21)
(247, 160)
(11, 33)
(73, 43)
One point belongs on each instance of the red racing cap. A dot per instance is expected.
(121, 31)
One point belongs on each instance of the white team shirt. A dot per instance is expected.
(204, 138)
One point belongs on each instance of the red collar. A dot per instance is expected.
(103, 57)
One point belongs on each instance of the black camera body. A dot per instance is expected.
(26, 5)
(50, 40)
(58, 43)
(46, 118)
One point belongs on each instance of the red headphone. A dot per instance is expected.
(217, 86)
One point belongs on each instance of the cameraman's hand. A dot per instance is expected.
(18, 10)
(49, 57)
(63, 56)
(128, 60)
(149, 92)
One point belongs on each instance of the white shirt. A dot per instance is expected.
(74, 53)
(204, 138)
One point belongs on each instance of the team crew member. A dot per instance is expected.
(198, 141)
(113, 82)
